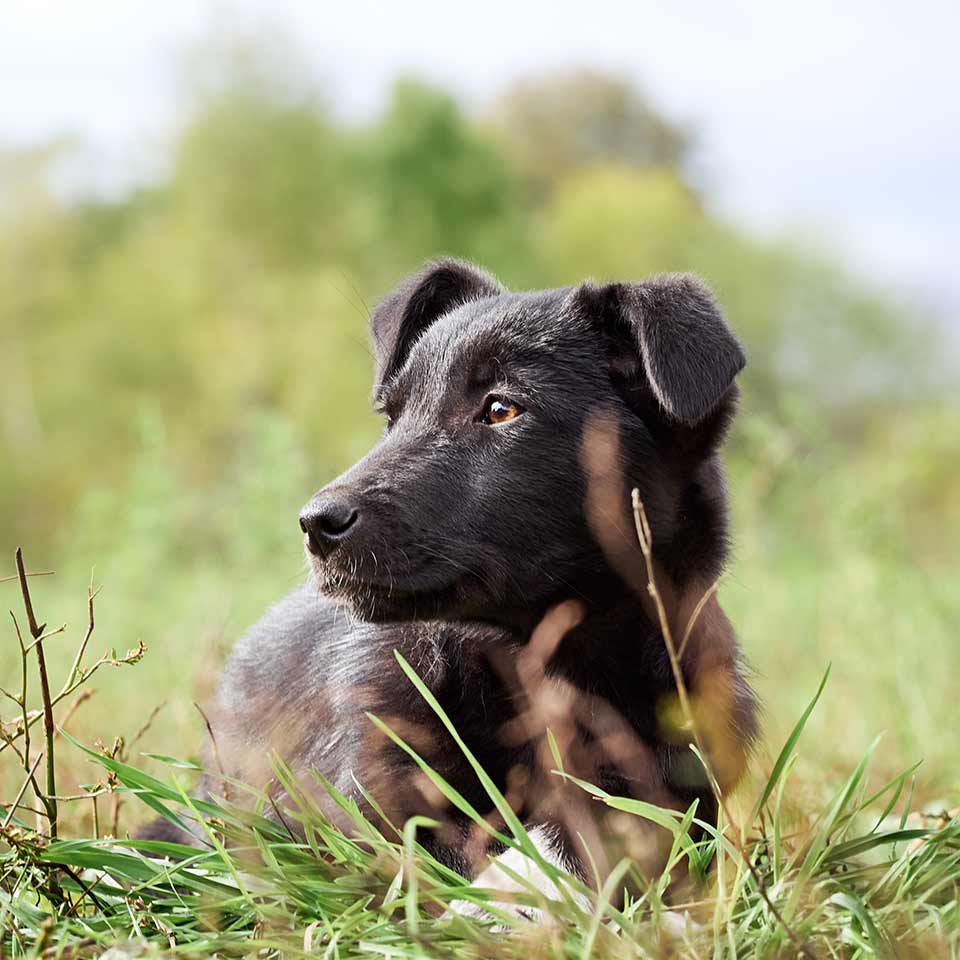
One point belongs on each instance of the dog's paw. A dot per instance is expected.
(513, 880)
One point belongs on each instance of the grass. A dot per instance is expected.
(858, 857)
(863, 876)
(843, 553)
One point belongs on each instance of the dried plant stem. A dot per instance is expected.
(75, 668)
(145, 726)
(32, 573)
(25, 763)
(86, 795)
(23, 789)
(35, 629)
(26, 807)
(72, 709)
(49, 730)
(47, 635)
(24, 713)
(645, 538)
(697, 610)
(132, 656)
(224, 785)
(115, 804)
(25, 721)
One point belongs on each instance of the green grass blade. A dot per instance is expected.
(788, 749)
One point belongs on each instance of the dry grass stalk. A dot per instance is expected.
(18, 739)
(646, 547)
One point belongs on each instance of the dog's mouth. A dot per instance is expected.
(377, 601)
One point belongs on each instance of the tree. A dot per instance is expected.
(441, 186)
(553, 124)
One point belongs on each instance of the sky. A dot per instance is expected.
(838, 121)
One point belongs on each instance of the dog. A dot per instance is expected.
(489, 538)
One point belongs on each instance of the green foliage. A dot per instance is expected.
(555, 124)
(240, 281)
(182, 366)
(808, 329)
(840, 556)
(440, 186)
(851, 880)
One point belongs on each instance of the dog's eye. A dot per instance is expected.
(499, 410)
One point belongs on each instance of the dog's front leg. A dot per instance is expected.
(513, 879)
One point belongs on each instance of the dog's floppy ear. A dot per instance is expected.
(402, 316)
(673, 326)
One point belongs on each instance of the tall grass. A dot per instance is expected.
(855, 880)
(858, 874)
(844, 552)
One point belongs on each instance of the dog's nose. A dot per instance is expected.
(327, 522)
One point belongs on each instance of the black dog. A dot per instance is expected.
(489, 538)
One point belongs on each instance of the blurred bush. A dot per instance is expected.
(184, 365)
(241, 280)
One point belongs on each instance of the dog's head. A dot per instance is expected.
(516, 425)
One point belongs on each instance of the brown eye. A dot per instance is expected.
(497, 410)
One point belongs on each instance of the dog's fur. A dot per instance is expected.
(502, 562)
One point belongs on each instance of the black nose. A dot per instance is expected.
(327, 522)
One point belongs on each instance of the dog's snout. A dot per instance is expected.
(328, 522)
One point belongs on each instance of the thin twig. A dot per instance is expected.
(49, 730)
(147, 723)
(216, 753)
(646, 541)
(23, 790)
(281, 817)
(72, 709)
(10, 742)
(49, 633)
(25, 763)
(697, 610)
(87, 795)
(35, 573)
(71, 676)
(85, 891)
(24, 713)
(115, 804)
(131, 656)
(26, 721)
(24, 806)
(35, 630)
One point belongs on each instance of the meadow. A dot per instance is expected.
(188, 363)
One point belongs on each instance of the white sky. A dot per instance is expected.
(841, 119)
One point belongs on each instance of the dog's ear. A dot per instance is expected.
(402, 316)
(671, 327)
